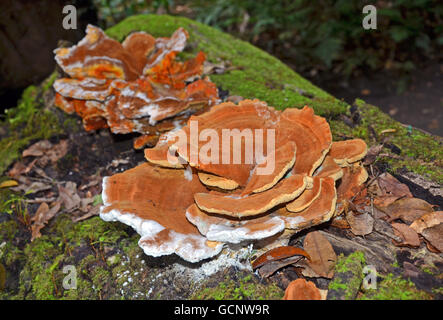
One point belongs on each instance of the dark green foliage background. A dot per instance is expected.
(326, 35)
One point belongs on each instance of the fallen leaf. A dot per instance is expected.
(68, 196)
(270, 268)
(278, 254)
(41, 218)
(38, 149)
(390, 189)
(85, 204)
(322, 254)
(384, 201)
(428, 220)
(95, 181)
(430, 226)
(92, 212)
(390, 185)
(361, 224)
(34, 187)
(40, 200)
(20, 168)
(301, 289)
(372, 154)
(306, 270)
(8, 183)
(434, 236)
(407, 209)
(54, 154)
(408, 235)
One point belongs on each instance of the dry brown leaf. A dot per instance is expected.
(40, 200)
(20, 168)
(68, 196)
(322, 254)
(372, 154)
(306, 269)
(91, 212)
(270, 268)
(434, 238)
(430, 226)
(46, 151)
(38, 149)
(428, 220)
(408, 235)
(407, 209)
(41, 218)
(390, 185)
(301, 289)
(384, 201)
(55, 153)
(33, 187)
(361, 224)
(390, 189)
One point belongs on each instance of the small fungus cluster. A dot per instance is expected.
(134, 86)
(194, 207)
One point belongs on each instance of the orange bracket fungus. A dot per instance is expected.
(235, 174)
(134, 86)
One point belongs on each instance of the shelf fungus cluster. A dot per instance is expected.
(134, 86)
(235, 174)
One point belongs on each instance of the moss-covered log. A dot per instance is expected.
(109, 263)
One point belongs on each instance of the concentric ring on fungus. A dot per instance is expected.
(194, 208)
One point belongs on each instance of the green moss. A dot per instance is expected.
(8, 230)
(100, 278)
(42, 275)
(246, 288)
(93, 231)
(420, 153)
(345, 264)
(10, 254)
(49, 81)
(25, 123)
(13, 204)
(395, 288)
(38, 275)
(348, 276)
(256, 74)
